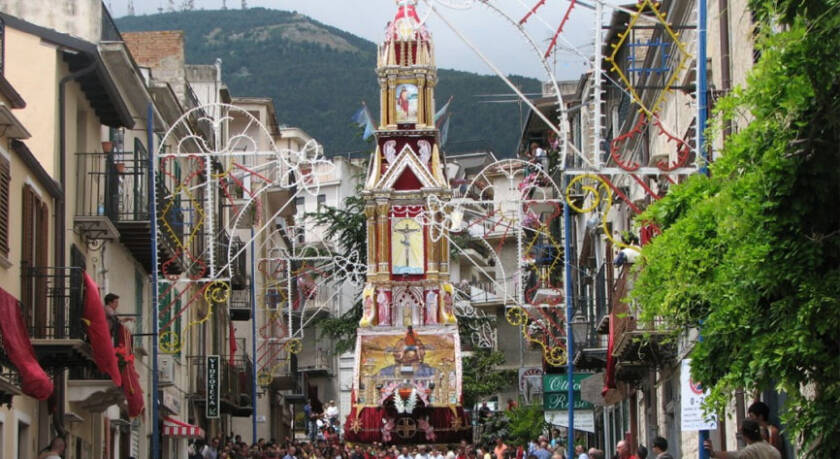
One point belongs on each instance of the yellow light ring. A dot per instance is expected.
(217, 292)
(264, 378)
(515, 316)
(596, 193)
(169, 342)
(294, 345)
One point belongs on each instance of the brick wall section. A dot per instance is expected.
(150, 48)
(163, 53)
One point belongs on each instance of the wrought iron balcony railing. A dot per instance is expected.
(53, 301)
(113, 185)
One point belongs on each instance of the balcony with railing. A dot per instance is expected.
(9, 382)
(53, 303)
(112, 202)
(638, 346)
(318, 363)
(240, 305)
(235, 378)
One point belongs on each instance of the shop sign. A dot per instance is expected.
(212, 389)
(692, 396)
(556, 392)
(171, 402)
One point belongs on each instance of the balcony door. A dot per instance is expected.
(34, 260)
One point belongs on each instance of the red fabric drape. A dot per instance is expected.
(609, 375)
(130, 379)
(367, 428)
(34, 380)
(232, 340)
(98, 333)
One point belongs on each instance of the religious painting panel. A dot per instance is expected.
(406, 103)
(407, 246)
(424, 362)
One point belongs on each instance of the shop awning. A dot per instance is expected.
(175, 428)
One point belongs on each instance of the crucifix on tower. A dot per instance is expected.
(407, 249)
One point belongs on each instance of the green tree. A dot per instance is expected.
(752, 254)
(482, 377)
(516, 427)
(346, 227)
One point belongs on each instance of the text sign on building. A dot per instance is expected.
(692, 396)
(556, 392)
(212, 389)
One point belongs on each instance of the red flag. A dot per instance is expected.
(34, 381)
(130, 379)
(232, 339)
(98, 333)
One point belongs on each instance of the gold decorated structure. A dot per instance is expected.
(407, 380)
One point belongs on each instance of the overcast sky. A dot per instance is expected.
(492, 34)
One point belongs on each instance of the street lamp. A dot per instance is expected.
(580, 327)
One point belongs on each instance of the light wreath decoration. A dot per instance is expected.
(510, 202)
(316, 273)
(596, 180)
(200, 170)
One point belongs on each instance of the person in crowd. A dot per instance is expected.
(483, 412)
(622, 450)
(756, 447)
(332, 413)
(500, 449)
(542, 452)
(581, 454)
(660, 448)
(641, 452)
(54, 450)
(760, 412)
(211, 449)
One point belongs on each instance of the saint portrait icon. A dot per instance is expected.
(407, 99)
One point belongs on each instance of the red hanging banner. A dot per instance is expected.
(98, 332)
(18, 348)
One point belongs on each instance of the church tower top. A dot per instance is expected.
(408, 42)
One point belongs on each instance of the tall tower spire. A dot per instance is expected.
(408, 356)
(131, 7)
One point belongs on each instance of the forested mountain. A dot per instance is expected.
(318, 75)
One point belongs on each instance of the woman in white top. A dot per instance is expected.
(55, 450)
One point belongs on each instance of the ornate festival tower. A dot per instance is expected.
(407, 380)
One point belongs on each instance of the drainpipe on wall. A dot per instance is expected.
(725, 64)
(726, 86)
(60, 236)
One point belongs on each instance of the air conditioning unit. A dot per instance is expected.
(166, 370)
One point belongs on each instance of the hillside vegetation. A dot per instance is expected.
(318, 75)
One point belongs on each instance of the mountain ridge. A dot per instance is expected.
(318, 75)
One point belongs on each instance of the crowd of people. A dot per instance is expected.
(323, 442)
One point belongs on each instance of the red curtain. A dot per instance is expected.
(34, 380)
(609, 375)
(367, 428)
(232, 342)
(130, 379)
(98, 333)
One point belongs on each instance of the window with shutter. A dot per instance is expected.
(5, 182)
(27, 256)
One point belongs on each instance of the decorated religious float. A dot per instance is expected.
(407, 380)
